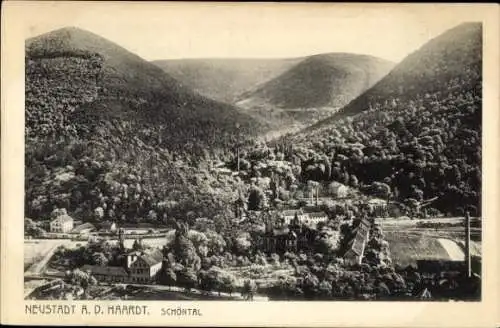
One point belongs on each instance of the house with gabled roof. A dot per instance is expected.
(107, 273)
(63, 223)
(288, 215)
(278, 240)
(356, 247)
(144, 266)
(84, 228)
(316, 217)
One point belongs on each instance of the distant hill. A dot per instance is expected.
(224, 79)
(76, 81)
(110, 136)
(452, 55)
(312, 90)
(325, 80)
(418, 130)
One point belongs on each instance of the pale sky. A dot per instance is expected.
(177, 30)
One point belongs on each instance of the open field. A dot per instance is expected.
(407, 247)
(454, 230)
(404, 222)
(35, 250)
(455, 233)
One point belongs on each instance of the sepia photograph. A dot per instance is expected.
(333, 157)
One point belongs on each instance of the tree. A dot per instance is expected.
(380, 189)
(353, 181)
(215, 278)
(228, 283)
(273, 185)
(98, 213)
(187, 278)
(327, 242)
(29, 226)
(167, 277)
(257, 199)
(382, 291)
(417, 194)
(325, 289)
(242, 243)
(310, 285)
(100, 259)
(82, 279)
(138, 245)
(205, 281)
(203, 251)
(183, 249)
(197, 238)
(275, 259)
(249, 289)
(152, 216)
(38, 232)
(215, 242)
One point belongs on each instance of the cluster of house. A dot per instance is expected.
(286, 233)
(62, 224)
(310, 219)
(141, 267)
(66, 224)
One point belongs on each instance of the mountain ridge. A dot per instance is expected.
(224, 79)
(321, 80)
(91, 79)
(417, 131)
(407, 63)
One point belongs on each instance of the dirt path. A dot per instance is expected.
(38, 267)
(197, 291)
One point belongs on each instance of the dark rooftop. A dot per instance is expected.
(105, 270)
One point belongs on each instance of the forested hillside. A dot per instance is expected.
(418, 130)
(322, 80)
(312, 90)
(109, 135)
(75, 77)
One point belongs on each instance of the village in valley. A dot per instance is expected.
(253, 179)
(275, 250)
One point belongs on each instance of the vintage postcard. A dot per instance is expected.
(250, 164)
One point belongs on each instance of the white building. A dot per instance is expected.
(316, 217)
(378, 207)
(338, 190)
(63, 223)
(144, 267)
(289, 215)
